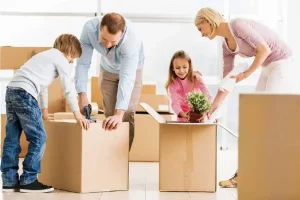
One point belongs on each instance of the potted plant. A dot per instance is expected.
(199, 104)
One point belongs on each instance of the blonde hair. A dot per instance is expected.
(69, 45)
(213, 17)
(191, 74)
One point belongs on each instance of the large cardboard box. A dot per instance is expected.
(148, 92)
(23, 141)
(96, 94)
(56, 97)
(149, 88)
(145, 146)
(82, 161)
(14, 57)
(187, 155)
(159, 103)
(269, 147)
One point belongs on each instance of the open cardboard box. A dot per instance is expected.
(187, 154)
(83, 161)
(145, 146)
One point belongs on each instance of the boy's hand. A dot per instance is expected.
(84, 123)
(45, 114)
(82, 102)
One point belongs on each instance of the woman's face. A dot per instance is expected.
(206, 29)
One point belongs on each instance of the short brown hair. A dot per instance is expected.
(69, 45)
(114, 23)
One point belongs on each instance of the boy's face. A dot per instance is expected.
(181, 67)
(109, 40)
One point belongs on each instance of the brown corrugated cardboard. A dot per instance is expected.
(15, 57)
(70, 115)
(149, 88)
(187, 155)
(96, 94)
(85, 161)
(56, 98)
(145, 146)
(269, 147)
(159, 103)
(23, 141)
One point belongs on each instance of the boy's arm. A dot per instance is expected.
(44, 102)
(69, 87)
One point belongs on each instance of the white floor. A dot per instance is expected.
(143, 185)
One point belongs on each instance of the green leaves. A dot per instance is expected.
(198, 102)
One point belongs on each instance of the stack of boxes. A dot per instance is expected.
(95, 160)
(145, 147)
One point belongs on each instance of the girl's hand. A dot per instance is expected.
(185, 116)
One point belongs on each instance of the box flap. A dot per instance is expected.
(153, 113)
(228, 130)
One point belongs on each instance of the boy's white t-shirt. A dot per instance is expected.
(40, 71)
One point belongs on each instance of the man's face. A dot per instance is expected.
(109, 40)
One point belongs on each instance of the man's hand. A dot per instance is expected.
(82, 102)
(45, 114)
(84, 123)
(113, 122)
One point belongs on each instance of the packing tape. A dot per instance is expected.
(95, 109)
(189, 165)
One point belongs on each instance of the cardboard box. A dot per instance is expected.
(145, 146)
(23, 141)
(269, 147)
(82, 161)
(14, 57)
(96, 94)
(70, 115)
(148, 89)
(56, 97)
(159, 103)
(187, 155)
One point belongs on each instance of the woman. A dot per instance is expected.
(247, 38)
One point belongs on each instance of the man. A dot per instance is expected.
(122, 60)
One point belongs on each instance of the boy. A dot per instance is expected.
(23, 112)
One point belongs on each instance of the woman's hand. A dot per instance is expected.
(240, 76)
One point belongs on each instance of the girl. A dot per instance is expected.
(182, 80)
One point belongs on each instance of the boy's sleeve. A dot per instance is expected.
(68, 85)
(44, 97)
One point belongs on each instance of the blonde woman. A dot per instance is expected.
(247, 38)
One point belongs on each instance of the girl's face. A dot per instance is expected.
(181, 67)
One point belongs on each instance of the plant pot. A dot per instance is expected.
(195, 116)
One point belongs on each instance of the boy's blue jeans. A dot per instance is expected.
(23, 113)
